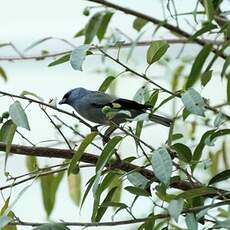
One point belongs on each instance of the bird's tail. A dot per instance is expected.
(160, 120)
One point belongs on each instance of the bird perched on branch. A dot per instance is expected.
(102, 108)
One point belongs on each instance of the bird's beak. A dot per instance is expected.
(62, 101)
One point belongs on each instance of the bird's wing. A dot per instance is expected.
(129, 104)
(99, 99)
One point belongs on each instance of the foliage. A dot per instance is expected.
(183, 178)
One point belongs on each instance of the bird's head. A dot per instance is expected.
(72, 96)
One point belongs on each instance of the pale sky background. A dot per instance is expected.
(24, 22)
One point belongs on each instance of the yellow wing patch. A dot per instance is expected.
(116, 105)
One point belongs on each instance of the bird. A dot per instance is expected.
(91, 106)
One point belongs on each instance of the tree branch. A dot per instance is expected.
(124, 45)
(156, 21)
(88, 158)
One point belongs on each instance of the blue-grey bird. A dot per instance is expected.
(89, 104)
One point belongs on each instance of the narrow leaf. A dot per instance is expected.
(225, 67)
(60, 60)
(3, 74)
(196, 192)
(106, 83)
(206, 77)
(74, 184)
(92, 27)
(206, 28)
(102, 209)
(80, 151)
(199, 148)
(49, 186)
(137, 191)
(197, 65)
(103, 25)
(208, 4)
(107, 153)
(228, 89)
(220, 177)
(18, 115)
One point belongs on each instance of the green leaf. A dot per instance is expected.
(220, 177)
(106, 83)
(25, 93)
(206, 28)
(191, 222)
(208, 4)
(197, 65)
(193, 102)
(183, 151)
(219, 133)
(80, 151)
(31, 163)
(196, 192)
(163, 102)
(52, 226)
(228, 89)
(60, 60)
(199, 148)
(103, 25)
(177, 136)
(92, 27)
(138, 180)
(49, 186)
(18, 115)
(156, 50)
(107, 152)
(175, 78)
(90, 184)
(206, 77)
(102, 209)
(3, 74)
(137, 191)
(78, 55)
(139, 23)
(7, 132)
(153, 98)
(162, 165)
(80, 33)
(175, 208)
(185, 114)
(105, 156)
(225, 66)
(74, 184)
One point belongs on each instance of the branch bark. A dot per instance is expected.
(88, 158)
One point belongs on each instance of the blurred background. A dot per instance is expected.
(25, 22)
